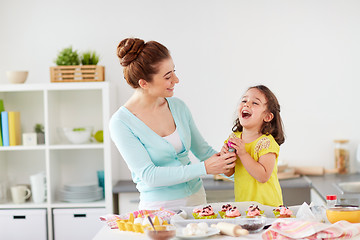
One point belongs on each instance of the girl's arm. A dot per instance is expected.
(260, 170)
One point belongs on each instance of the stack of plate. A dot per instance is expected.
(81, 193)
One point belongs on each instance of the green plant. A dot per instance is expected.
(89, 58)
(67, 57)
(39, 128)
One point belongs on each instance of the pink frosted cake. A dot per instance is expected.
(254, 211)
(232, 213)
(205, 213)
(283, 212)
(224, 208)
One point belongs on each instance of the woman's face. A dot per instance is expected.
(253, 110)
(163, 82)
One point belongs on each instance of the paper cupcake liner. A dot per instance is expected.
(208, 217)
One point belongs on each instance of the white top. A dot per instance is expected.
(174, 139)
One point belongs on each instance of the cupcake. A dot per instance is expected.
(224, 208)
(232, 213)
(207, 213)
(284, 212)
(196, 212)
(254, 211)
(276, 211)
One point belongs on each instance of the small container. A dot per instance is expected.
(342, 156)
(331, 201)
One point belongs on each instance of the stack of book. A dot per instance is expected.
(10, 130)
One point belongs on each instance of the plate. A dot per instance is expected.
(211, 231)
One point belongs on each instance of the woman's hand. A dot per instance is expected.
(224, 149)
(220, 163)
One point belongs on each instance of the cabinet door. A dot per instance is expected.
(77, 223)
(23, 224)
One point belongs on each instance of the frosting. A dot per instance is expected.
(226, 207)
(253, 211)
(197, 210)
(207, 211)
(285, 211)
(233, 212)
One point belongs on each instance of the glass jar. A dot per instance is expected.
(342, 156)
(331, 201)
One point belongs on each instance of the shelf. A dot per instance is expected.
(57, 105)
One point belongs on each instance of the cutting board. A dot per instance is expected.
(313, 170)
(287, 173)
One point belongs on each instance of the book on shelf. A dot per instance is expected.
(5, 128)
(14, 128)
(2, 108)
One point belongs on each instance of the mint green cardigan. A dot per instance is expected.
(159, 172)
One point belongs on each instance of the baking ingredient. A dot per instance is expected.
(342, 156)
(230, 229)
(196, 229)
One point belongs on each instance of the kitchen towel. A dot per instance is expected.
(283, 229)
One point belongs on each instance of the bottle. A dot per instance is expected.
(342, 156)
(331, 201)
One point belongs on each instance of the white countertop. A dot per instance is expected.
(106, 233)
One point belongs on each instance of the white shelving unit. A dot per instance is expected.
(58, 105)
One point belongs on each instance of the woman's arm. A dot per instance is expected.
(139, 162)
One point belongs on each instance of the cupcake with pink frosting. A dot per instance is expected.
(206, 213)
(283, 212)
(224, 208)
(254, 211)
(232, 213)
(196, 212)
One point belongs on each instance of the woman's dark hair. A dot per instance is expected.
(275, 126)
(140, 60)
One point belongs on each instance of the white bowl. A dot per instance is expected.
(17, 76)
(77, 135)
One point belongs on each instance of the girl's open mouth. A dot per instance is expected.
(245, 114)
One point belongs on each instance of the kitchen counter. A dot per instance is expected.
(295, 191)
(327, 185)
(211, 184)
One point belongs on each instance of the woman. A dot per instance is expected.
(154, 132)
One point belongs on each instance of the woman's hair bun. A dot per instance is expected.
(129, 49)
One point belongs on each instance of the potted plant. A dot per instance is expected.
(68, 67)
(89, 58)
(67, 57)
(40, 135)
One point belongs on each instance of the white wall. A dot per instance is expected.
(306, 51)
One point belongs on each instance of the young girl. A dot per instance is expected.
(257, 135)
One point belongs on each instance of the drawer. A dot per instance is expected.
(23, 224)
(77, 223)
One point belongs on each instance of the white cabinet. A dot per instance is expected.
(23, 224)
(58, 105)
(80, 224)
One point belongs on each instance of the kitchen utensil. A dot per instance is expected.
(350, 214)
(230, 229)
(313, 170)
(20, 193)
(17, 76)
(3, 192)
(166, 232)
(151, 222)
(38, 187)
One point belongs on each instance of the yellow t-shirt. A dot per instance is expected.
(247, 188)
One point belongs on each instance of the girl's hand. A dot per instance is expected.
(220, 163)
(239, 145)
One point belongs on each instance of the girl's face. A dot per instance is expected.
(253, 110)
(164, 80)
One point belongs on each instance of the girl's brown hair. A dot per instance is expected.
(275, 126)
(140, 60)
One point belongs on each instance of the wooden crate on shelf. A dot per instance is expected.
(77, 73)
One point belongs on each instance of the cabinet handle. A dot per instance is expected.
(79, 215)
(19, 217)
